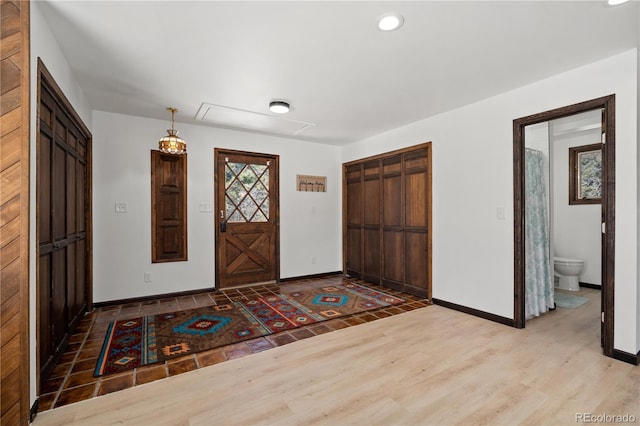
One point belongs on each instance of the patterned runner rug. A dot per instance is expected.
(156, 338)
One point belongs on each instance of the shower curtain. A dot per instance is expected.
(538, 270)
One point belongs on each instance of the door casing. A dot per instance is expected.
(607, 103)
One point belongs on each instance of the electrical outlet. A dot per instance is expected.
(122, 207)
(313, 260)
(147, 277)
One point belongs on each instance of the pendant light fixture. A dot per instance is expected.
(172, 144)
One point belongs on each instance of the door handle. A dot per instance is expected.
(223, 226)
(221, 214)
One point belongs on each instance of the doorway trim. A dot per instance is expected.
(607, 103)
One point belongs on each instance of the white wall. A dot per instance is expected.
(577, 232)
(310, 223)
(473, 175)
(44, 45)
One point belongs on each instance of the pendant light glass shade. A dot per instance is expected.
(172, 144)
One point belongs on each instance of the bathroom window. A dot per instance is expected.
(585, 174)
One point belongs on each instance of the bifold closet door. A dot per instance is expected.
(354, 221)
(416, 222)
(387, 220)
(393, 232)
(371, 228)
(62, 217)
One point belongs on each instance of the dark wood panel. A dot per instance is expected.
(58, 193)
(393, 256)
(354, 203)
(392, 199)
(71, 208)
(82, 190)
(70, 301)
(80, 302)
(416, 266)
(58, 318)
(354, 252)
(415, 199)
(45, 343)
(169, 207)
(371, 246)
(44, 189)
(372, 201)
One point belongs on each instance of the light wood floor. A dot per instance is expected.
(431, 366)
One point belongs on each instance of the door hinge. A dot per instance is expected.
(602, 317)
(604, 227)
(604, 138)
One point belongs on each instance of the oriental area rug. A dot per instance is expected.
(156, 338)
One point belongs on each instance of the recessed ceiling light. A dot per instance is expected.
(390, 22)
(616, 2)
(279, 107)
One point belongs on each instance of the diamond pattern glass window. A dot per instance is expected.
(247, 192)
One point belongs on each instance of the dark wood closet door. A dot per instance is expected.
(388, 219)
(62, 227)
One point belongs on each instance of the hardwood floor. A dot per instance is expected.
(427, 366)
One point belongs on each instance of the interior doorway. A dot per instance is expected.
(607, 105)
(247, 218)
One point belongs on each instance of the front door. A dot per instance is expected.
(247, 218)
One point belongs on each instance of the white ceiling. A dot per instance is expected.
(328, 59)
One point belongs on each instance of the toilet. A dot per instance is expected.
(568, 272)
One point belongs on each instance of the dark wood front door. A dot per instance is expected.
(63, 218)
(247, 218)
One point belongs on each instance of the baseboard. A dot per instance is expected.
(148, 298)
(475, 312)
(587, 285)
(192, 292)
(307, 277)
(626, 357)
(34, 410)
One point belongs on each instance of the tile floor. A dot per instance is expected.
(72, 379)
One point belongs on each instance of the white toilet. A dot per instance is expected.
(568, 271)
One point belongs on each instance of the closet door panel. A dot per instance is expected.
(415, 199)
(416, 260)
(44, 308)
(58, 317)
(354, 252)
(392, 200)
(372, 202)
(371, 270)
(393, 258)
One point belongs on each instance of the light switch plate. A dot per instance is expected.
(206, 208)
(121, 207)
